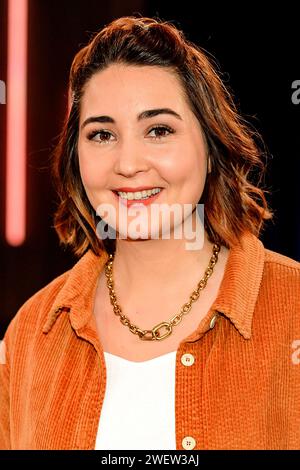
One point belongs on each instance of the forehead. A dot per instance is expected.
(122, 86)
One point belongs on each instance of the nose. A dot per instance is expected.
(130, 159)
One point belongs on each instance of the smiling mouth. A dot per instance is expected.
(144, 201)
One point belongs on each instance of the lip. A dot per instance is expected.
(144, 202)
(134, 190)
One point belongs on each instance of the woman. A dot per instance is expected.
(206, 355)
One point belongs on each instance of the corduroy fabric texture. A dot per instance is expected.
(242, 391)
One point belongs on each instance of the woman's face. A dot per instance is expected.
(122, 145)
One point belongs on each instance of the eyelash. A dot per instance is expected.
(92, 134)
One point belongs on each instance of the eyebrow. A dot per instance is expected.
(143, 115)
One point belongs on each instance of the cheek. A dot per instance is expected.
(91, 171)
(188, 175)
(185, 165)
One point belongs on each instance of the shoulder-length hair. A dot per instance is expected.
(233, 204)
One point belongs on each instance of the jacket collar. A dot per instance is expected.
(241, 283)
(236, 298)
(78, 293)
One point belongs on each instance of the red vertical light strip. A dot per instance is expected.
(15, 223)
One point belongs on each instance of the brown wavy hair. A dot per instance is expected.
(233, 203)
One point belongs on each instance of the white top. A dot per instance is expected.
(139, 404)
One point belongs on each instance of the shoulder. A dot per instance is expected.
(45, 296)
(281, 268)
(75, 282)
(34, 311)
(278, 261)
(281, 283)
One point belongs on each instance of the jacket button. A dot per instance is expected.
(213, 321)
(188, 443)
(187, 359)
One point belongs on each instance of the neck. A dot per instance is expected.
(151, 265)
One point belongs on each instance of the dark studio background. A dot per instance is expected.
(258, 54)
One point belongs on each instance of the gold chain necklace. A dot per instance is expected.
(154, 334)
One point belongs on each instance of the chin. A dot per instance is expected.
(127, 233)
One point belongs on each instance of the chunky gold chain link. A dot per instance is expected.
(155, 333)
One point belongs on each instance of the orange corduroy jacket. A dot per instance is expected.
(241, 392)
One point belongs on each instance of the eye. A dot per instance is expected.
(104, 136)
(161, 131)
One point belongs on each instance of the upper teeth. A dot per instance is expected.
(139, 194)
